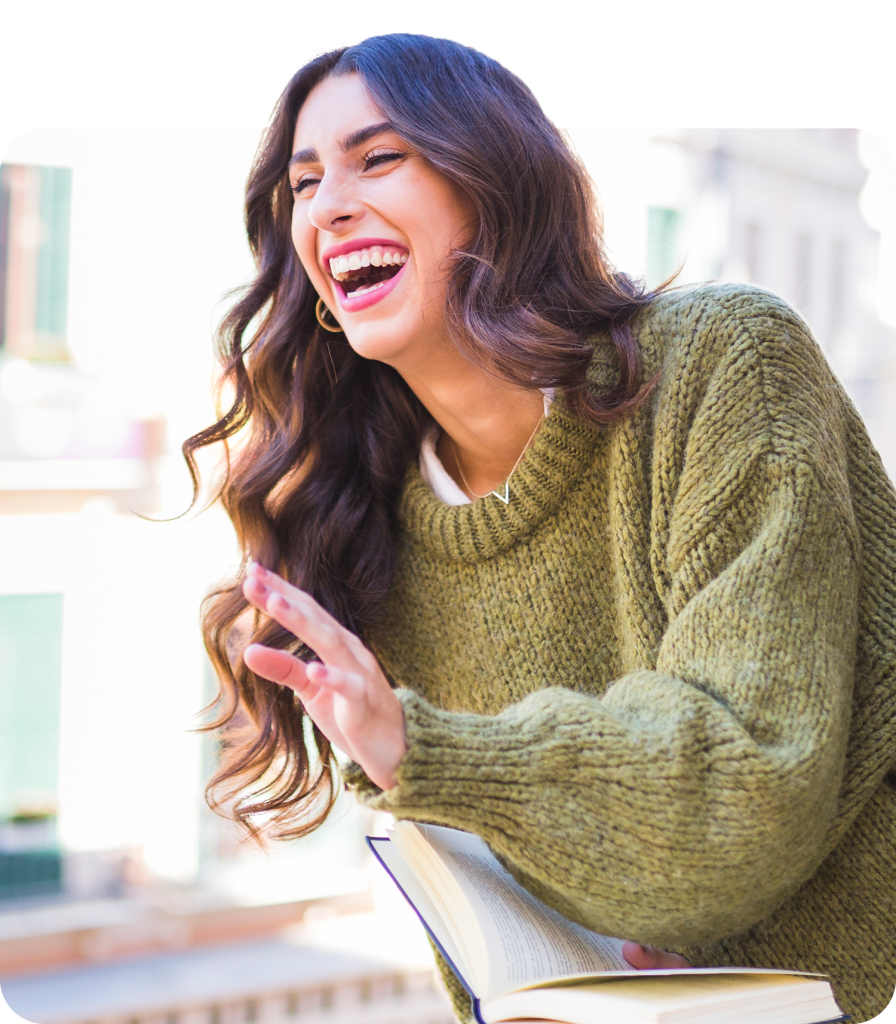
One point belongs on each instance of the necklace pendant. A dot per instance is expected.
(505, 497)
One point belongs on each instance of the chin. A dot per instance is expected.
(376, 341)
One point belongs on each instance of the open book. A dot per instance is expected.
(523, 961)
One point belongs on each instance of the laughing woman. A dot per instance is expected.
(604, 576)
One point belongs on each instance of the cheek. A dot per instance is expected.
(299, 232)
(303, 240)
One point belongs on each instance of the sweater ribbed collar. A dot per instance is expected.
(561, 453)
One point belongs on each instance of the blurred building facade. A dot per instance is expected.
(780, 208)
(122, 898)
(60, 449)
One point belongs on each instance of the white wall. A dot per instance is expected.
(157, 240)
(131, 674)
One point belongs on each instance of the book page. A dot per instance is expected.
(527, 941)
(415, 893)
(449, 898)
(713, 999)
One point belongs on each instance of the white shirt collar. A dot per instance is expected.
(434, 474)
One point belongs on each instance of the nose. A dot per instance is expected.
(334, 206)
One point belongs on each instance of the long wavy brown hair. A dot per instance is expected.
(312, 484)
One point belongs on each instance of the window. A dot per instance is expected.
(30, 670)
(662, 244)
(35, 215)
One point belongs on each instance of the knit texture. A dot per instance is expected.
(661, 682)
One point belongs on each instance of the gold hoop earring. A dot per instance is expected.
(320, 311)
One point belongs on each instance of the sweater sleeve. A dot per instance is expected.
(692, 797)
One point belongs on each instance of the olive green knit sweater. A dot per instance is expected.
(661, 682)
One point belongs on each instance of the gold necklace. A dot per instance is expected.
(505, 497)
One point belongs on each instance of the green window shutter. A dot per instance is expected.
(35, 228)
(4, 248)
(51, 314)
(30, 674)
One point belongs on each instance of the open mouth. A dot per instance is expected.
(364, 271)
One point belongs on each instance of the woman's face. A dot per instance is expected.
(372, 224)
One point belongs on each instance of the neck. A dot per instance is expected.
(486, 422)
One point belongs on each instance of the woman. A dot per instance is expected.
(604, 576)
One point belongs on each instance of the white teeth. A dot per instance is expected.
(376, 256)
(364, 291)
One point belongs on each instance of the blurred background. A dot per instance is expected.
(125, 137)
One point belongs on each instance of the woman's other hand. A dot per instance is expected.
(646, 958)
(346, 694)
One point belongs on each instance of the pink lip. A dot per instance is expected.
(364, 301)
(353, 245)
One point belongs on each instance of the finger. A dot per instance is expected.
(255, 592)
(330, 642)
(347, 684)
(259, 585)
(278, 585)
(302, 600)
(647, 958)
(279, 667)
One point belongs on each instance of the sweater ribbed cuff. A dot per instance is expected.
(355, 779)
(456, 764)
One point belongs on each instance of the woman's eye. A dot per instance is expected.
(381, 157)
(303, 183)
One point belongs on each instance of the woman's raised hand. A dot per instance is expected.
(348, 697)
(346, 694)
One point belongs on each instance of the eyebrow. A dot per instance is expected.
(350, 142)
